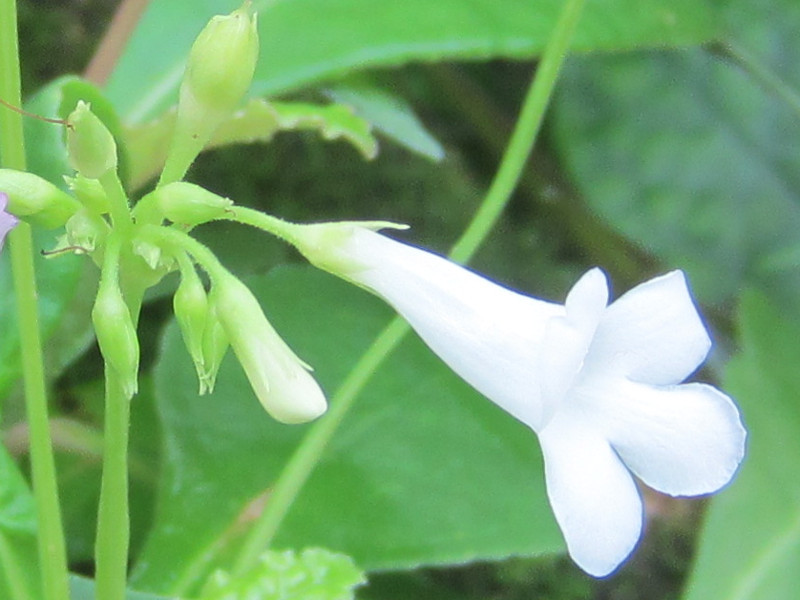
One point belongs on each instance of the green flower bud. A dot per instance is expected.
(281, 381)
(190, 304)
(219, 71)
(189, 204)
(221, 62)
(215, 345)
(90, 193)
(86, 230)
(37, 200)
(90, 146)
(116, 336)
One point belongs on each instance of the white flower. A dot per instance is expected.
(600, 384)
(7, 220)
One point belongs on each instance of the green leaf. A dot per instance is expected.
(81, 588)
(390, 114)
(304, 42)
(750, 545)
(690, 158)
(314, 575)
(19, 571)
(257, 121)
(423, 471)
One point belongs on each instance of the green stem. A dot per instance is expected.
(309, 453)
(51, 546)
(13, 570)
(113, 517)
(113, 524)
(177, 242)
(118, 200)
(768, 79)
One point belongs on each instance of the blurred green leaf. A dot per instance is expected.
(257, 121)
(304, 42)
(690, 158)
(19, 573)
(81, 588)
(316, 574)
(423, 471)
(390, 114)
(750, 545)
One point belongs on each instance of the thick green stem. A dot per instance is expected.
(311, 449)
(52, 552)
(113, 525)
(113, 519)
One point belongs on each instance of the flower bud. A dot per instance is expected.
(191, 311)
(86, 231)
(189, 204)
(278, 377)
(90, 146)
(215, 345)
(116, 336)
(218, 72)
(37, 200)
(222, 61)
(90, 193)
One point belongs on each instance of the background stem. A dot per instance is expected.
(308, 454)
(52, 552)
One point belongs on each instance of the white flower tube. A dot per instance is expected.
(600, 384)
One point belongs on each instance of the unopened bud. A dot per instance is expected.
(37, 200)
(116, 336)
(215, 346)
(86, 231)
(189, 204)
(279, 378)
(219, 71)
(191, 311)
(7, 221)
(90, 146)
(90, 193)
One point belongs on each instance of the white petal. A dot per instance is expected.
(653, 334)
(488, 334)
(593, 495)
(683, 440)
(567, 339)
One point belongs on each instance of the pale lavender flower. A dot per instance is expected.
(7, 220)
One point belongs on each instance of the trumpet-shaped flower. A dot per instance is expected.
(7, 220)
(600, 384)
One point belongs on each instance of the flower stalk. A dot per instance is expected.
(50, 539)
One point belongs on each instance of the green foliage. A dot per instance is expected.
(315, 574)
(83, 589)
(304, 42)
(18, 558)
(423, 471)
(257, 121)
(690, 158)
(750, 545)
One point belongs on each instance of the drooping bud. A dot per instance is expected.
(90, 193)
(116, 335)
(279, 378)
(189, 204)
(37, 200)
(91, 148)
(190, 304)
(215, 346)
(218, 73)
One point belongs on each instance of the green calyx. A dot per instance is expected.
(91, 148)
